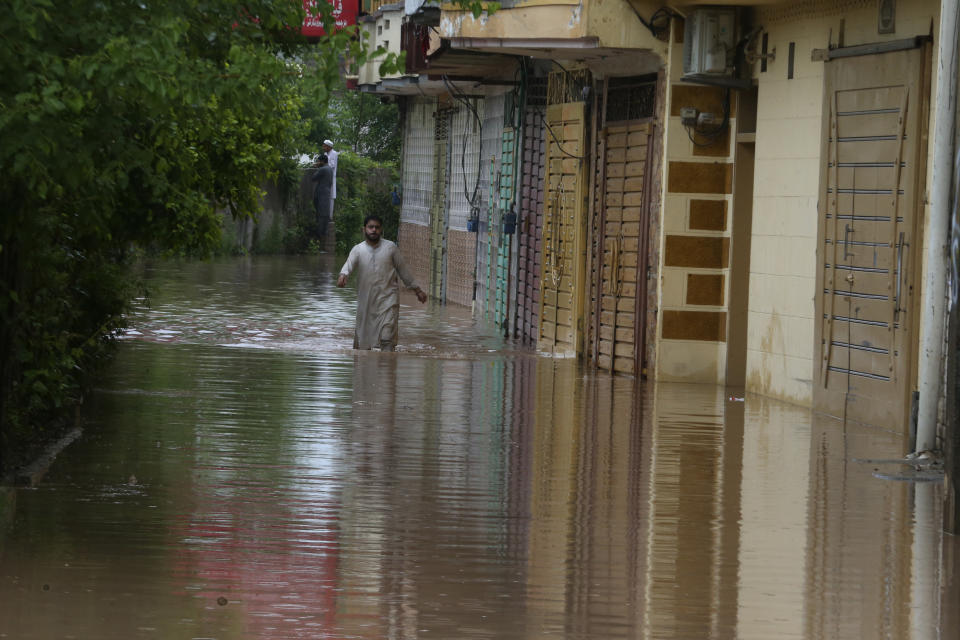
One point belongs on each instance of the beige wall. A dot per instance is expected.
(692, 320)
(784, 243)
(612, 24)
(554, 20)
(783, 267)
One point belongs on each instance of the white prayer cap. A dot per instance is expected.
(329, 143)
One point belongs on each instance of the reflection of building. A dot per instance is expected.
(722, 195)
(435, 501)
(692, 535)
(875, 556)
(588, 528)
(679, 514)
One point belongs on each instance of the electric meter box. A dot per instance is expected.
(709, 46)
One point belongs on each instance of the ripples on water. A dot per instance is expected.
(245, 474)
(287, 305)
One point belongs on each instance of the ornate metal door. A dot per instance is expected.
(562, 281)
(870, 200)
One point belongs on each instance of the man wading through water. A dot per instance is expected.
(378, 264)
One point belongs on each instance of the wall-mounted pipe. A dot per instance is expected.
(933, 311)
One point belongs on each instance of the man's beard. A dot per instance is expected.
(372, 237)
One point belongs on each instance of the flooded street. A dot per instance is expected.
(243, 473)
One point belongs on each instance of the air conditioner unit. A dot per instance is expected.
(709, 47)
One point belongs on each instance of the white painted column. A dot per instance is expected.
(933, 312)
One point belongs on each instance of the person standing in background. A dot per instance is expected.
(332, 163)
(323, 183)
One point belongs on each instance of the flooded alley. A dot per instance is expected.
(243, 473)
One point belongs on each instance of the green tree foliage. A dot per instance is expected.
(361, 122)
(363, 187)
(125, 125)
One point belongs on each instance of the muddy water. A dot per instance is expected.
(244, 474)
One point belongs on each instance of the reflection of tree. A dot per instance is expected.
(273, 558)
(262, 530)
(199, 476)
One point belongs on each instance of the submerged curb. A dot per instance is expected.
(8, 498)
(31, 474)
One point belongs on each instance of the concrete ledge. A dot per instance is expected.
(8, 502)
(32, 474)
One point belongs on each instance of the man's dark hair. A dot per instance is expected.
(373, 216)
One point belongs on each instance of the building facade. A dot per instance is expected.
(745, 196)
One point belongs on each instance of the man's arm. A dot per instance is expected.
(406, 276)
(347, 268)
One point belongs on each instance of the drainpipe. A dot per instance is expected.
(934, 291)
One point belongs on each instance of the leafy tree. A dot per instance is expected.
(361, 122)
(363, 187)
(126, 125)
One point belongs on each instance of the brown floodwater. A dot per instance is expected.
(243, 473)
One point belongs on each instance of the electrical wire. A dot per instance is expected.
(550, 129)
(461, 97)
(661, 13)
(557, 140)
(476, 187)
(746, 45)
(712, 135)
(562, 68)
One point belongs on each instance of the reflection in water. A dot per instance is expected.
(245, 474)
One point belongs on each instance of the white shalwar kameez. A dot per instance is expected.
(378, 292)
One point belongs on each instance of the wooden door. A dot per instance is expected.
(620, 221)
(530, 223)
(620, 250)
(563, 238)
(870, 201)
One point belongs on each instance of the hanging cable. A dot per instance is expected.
(550, 129)
(562, 68)
(462, 98)
(714, 134)
(557, 140)
(661, 14)
(954, 285)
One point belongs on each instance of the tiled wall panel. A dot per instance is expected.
(418, 161)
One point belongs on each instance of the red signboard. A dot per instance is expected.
(344, 14)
